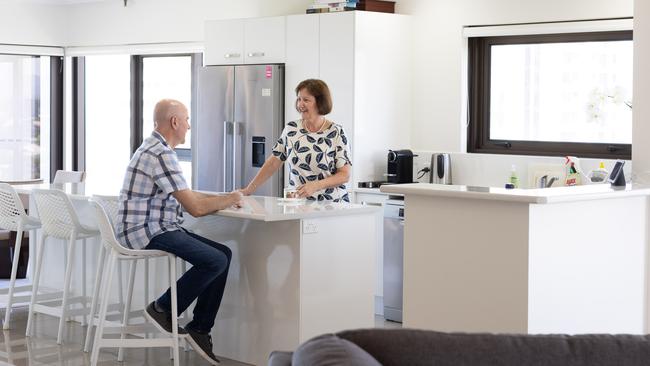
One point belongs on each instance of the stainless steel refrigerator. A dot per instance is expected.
(240, 117)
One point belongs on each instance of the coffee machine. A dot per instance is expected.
(400, 166)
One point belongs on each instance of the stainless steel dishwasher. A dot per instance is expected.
(393, 258)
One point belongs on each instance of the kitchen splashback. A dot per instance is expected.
(493, 170)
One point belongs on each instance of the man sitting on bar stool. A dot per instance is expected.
(150, 217)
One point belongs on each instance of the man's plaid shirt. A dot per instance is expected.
(147, 207)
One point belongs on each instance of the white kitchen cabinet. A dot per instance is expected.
(224, 42)
(245, 41)
(364, 57)
(302, 57)
(369, 197)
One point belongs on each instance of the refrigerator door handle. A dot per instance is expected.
(225, 155)
(235, 135)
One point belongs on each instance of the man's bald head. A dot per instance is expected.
(171, 121)
(165, 110)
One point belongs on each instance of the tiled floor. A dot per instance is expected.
(41, 349)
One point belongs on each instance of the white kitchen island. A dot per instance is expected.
(557, 260)
(298, 270)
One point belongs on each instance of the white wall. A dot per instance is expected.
(438, 75)
(153, 21)
(32, 23)
(641, 129)
(439, 46)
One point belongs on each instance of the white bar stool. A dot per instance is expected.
(117, 251)
(110, 204)
(59, 220)
(14, 218)
(68, 176)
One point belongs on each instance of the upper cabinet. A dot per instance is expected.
(364, 57)
(245, 41)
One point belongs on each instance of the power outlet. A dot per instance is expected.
(309, 227)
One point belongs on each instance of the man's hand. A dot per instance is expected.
(236, 198)
(200, 204)
(308, 189)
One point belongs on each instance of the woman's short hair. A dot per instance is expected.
(319, 90)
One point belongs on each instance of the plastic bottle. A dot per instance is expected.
(514, 179)
(599, 175)
(572, 177)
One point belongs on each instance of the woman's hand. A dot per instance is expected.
(245, 191)
(308, 189)
(250, 189)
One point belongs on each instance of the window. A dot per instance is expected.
(115, 98)
(24, 117)
(107, 119)
(558, 94)
(168, 77)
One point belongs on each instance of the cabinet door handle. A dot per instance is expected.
(366, 203)
(256, 54)
(231, 55)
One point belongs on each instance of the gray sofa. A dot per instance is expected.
(410, 347)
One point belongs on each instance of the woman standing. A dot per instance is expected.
(315, 147)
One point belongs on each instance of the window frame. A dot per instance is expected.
(479, 86)
(137, 100)
(56, 109)
(136, 104)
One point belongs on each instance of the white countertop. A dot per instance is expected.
(275, 209)
(73, 190)
(255, 207)
(539, 195)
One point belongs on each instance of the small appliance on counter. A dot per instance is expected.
(372, 184)
(440, 168)
(400, 166)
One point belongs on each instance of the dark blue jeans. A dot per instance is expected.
(206, 280)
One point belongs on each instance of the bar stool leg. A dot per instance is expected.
(66, 287)
(172, 283)
(96, 290)
(104, 306)
(120, 285)
(14, 269)
(146, 286)
(32, 253)
(186, 344)
(146, 281)
(37, 277)
(127, 305)
(83, 280)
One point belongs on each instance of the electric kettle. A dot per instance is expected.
(440, 168)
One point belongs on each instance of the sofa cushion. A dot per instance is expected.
(418, 347)
(330, 350)
(280, 358)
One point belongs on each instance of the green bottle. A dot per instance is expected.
(514, 179)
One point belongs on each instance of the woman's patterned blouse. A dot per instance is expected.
(314, 156)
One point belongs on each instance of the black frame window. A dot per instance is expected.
(137, 98)
(136, 101)
(479, 88)
(34, 118)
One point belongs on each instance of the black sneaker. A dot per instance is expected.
(202, 344)
(162, 321)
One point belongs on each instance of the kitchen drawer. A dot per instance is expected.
(373, 199)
